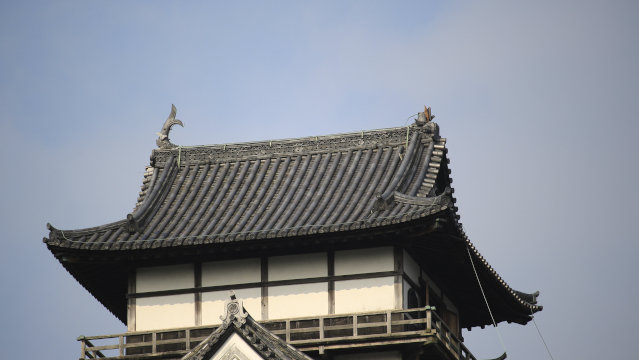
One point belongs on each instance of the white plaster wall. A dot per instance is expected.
(365, 295)
(297, 300)
(411, 268)
(164, 312)
(297, 266)
(361, 261)
(164, 278)
(231, 272)
(379, 355)
(213, 304)
(238, 342)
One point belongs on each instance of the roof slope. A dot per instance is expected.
(285, 188)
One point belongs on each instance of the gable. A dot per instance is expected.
(235, 348)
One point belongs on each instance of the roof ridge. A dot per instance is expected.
(295, 138)
(188, 155)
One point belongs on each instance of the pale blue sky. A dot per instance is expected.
(538, 101)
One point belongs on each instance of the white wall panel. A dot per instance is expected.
(411, 268)
(231, 272)
(297, 266)
(297, 300)
(213, 304)
(165, 312)
(365, 295)
(164, 278)
(363, 261)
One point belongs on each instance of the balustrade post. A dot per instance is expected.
(428, 320)
(354, 325)
(389, 320)
(154, 340)
(121, 345)
(83, 349)
(321, 328)
(188, 339)
(288, 331)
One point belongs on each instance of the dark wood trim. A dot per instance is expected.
(412, 283)
(263, 284)
(427, 294)
(266, 284)
(197, 272)
(131, 302)
(399, 270)
(331, 284)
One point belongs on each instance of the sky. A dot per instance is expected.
(538, 101)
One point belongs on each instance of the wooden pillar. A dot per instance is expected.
(331, 284)
(131, 305)
(197, 272)
(264, 288)
(399, 281)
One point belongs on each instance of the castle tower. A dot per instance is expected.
(339, 246)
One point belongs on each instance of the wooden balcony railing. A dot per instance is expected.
(318, 333)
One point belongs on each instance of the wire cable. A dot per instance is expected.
(542, 338)
(484, 295)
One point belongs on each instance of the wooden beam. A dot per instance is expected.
(197, 272)
(266, 284)
(398, 282)
(131, 301)
(331, 284)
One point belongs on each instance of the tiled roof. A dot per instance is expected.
(285, 188)
(357, 183)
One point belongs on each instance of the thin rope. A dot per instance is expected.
(65, 238)
(542, 338)
(406, 124)
(484, 295)
(407, 132)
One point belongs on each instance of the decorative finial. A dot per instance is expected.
(163, 141)
(233, 310)
(424, 117)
